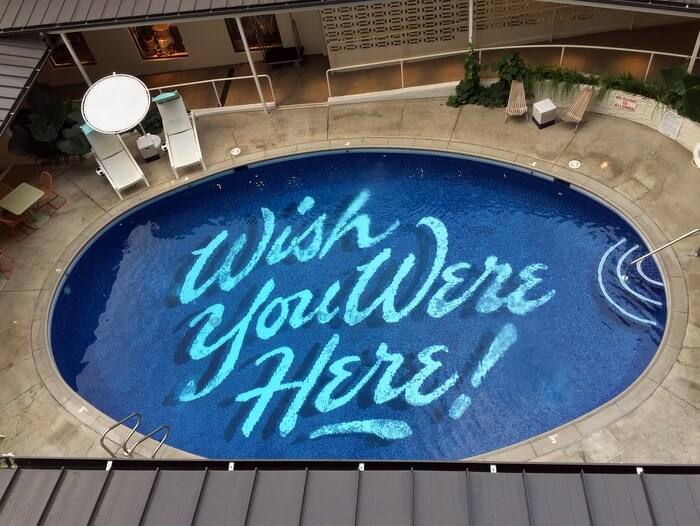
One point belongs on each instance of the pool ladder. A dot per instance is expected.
(688, 234)
(127, 451)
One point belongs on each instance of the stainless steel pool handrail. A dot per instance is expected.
(117, 424)
(128, 451)
(640, 259)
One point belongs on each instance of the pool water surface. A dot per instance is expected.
(362, 304)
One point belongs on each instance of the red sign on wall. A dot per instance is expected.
(625, 103)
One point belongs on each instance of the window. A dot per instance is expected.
(159, 41)
(60, 57)
(261, 32)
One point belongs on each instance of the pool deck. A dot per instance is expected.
(642, 173)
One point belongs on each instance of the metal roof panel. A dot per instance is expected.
(25, 12)
(27, 496)
(440, 498)
(76, 497)
(225, 498)
(174, 498)
(377, 489)
(323, 487)
(125, 498)
(617, 499)
(557, 498)
(672, 501)
(277, 498)
(498, 498)
(67, 13)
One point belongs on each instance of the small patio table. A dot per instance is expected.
(115, 104)
(21, 199)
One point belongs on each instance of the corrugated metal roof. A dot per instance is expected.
(38, 15)
(669, 7)
(21, 58)
(317, 493)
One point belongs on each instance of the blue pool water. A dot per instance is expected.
(369, 304)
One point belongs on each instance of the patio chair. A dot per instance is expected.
(181, 140)
(12, 222)
(51, 200)
(516, 100)
(5, 189)
(7, 264)
(574, 113)
(114, 159)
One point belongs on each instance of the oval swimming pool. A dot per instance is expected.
(363, 304)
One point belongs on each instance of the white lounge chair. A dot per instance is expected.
(181, 139)
(114, 159)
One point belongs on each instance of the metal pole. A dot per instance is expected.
(471, 22)
(646, 73)
(551, 29)
(252, 64)
(694, 56)
(75, 58)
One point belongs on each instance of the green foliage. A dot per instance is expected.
(678, 89)
(682, 91)
(467, 91)
(510, 67)
(49, 130)
(470, 91)
(152, 122)
(559, 80)
(629, 84)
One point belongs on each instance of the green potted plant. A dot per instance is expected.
(49, 129)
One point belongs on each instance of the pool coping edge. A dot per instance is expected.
(526, 450)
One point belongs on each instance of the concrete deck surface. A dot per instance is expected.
(636, 169)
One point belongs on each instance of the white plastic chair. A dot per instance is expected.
(180, 133)
(114, 159)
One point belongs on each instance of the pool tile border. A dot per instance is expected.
(529, 449)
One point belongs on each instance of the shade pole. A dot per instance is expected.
(252, 64)
(694, 56)
(75, 58)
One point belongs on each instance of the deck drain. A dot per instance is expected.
(574, 164)
(235, 151)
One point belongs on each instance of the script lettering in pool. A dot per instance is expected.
(331, 377)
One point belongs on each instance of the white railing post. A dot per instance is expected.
(694, 56)
(218, 99)
(551, 28)
(252, 64)
(402, 82)
(471, 22)
(646, 73)
(561, 58)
